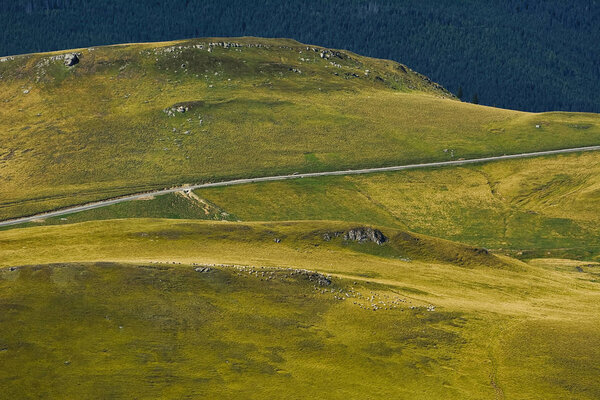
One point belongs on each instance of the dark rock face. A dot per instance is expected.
(71, 59)
(363, 235)
(360, 234)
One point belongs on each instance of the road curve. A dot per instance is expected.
(138, 196)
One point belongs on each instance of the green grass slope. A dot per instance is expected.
(106, 125)
(151, 326)
(130, 237)
(108, 303)
(537, 207)
(529, 208)
(166, 332)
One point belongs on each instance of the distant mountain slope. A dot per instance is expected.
(126, 118)
(533, 55)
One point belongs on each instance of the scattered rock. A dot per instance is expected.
(579, 269)
(327, 54)
(175, 109)
(321, 279)
(71, 59)
(330, 235)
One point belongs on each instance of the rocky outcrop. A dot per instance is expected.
(359, 234)
(176, 109)
(71, 59)
(363, 234)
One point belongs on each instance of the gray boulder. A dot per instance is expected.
(71, 59)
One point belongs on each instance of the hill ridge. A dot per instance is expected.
(122, 119)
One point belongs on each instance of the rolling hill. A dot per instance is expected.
(109, 125)
(219, 309)
(545, 206)
(462, 282)
(529, 55)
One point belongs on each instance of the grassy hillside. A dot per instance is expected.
(166, 332)
(262, 291)
(532, 55)
(134, 238)
(154, 327)
(537, 207)
(109, 125)
(530, 208)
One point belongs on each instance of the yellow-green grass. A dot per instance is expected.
(310, 235)
(428, 265)
(99, 129)
(535, 207)
(507, 330)
(177, 205)
(121, 331)
(546, 206)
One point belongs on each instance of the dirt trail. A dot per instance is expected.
(189, 188)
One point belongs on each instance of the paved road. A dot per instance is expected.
(138, 196)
